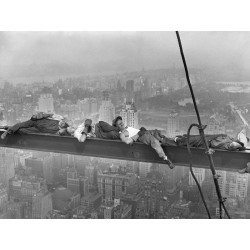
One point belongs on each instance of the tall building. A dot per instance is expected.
(236, 185)
(154, 193)
(41, 205)
(114, 185)
(91, 201)
(15, 210)
(199, 174)
(84, 186)
(173, 179)
(215, 127)
(46, 101)
(7, 165)
(232, 185)
(73, 182)
(22, 188)
(129, 114)
(144, 169)
(130, 90)
(173, 125)
(91, 174)
(123, 211)
(107, 211)
(36, 166)
(3, 197)
(41, 167)
(146, 89)
(107, 109)
(87, 106)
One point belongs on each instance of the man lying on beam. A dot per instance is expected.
(39, 123)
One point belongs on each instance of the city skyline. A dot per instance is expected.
(49, 185)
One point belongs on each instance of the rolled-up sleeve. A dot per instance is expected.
(78, 132)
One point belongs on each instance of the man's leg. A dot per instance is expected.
(16, 127)
(29, 130)
(161, 137)
(150, 140)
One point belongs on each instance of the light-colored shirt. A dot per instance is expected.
(79, 130)
(56, 117)
(132, 131)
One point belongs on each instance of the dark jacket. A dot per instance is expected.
(104, 130)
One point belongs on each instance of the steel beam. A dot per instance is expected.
(228, 160)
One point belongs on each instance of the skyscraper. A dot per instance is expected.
(22, 188)
(84, 186)
(46, 101)
(130, 90)
(173, 125)
(154, 192)
(199, 174)
(129, 114)
(7, 165)
(114, 185)
(144, 169)
(3, 197)
(41, 167)
(107, 109)
(73, 182)
(41, 205)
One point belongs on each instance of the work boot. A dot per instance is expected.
(170, 163)
(87, 126)
(3, 136)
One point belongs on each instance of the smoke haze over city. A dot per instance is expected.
(31, 54)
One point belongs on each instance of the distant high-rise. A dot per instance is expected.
(114, 185)
(232, 185)
(7, 165)
(154, 193)
(236, 185)
(46, 101)
(129, 114)
(215, 127)
(130, 90)
(41, 167)
(73, 182)
(173, 125)
(23, 188)
(87, 106)
(41, 205)
(144, 169)
(199, 174)
(84, 186)
(107, 109)
(3, 196)
(146, 89)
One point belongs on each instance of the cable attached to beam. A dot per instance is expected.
(201, 128)
(191, 169)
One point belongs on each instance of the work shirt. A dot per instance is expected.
(131, 131)
(79, 131)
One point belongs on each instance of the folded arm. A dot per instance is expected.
(81, 137)
(124, 138)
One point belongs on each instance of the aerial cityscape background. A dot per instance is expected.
(137, 75)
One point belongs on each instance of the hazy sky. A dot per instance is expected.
(31, 53)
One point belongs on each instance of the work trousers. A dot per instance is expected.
(151, 138)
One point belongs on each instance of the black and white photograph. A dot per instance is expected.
(103, 125)
(147, 124)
